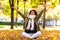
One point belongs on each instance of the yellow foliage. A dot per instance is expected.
(16, 35)
(54, 38)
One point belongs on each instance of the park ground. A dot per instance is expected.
(49, 33)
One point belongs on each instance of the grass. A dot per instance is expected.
(1, 26)
(9, 23)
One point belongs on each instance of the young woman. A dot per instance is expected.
(32, 26)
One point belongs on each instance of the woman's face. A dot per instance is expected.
(32, 13)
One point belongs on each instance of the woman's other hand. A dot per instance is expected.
(14, 8)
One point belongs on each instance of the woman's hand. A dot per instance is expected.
(15, 9)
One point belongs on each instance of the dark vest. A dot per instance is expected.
(33, 31)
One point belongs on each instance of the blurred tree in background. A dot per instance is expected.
(29, 5)
(24, 7)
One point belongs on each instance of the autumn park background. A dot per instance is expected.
(12, 24)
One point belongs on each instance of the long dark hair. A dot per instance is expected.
(33, 11)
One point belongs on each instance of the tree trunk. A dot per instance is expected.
(12, 13)
(55, 22)
(44, 16)
(24, 14)
(59, 1)
(17, 14)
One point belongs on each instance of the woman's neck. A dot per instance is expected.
(32, 16)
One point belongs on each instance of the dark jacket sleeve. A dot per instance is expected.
(22, 15)
(38, 16)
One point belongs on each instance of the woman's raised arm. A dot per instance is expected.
(20, 13)
(40, 14)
